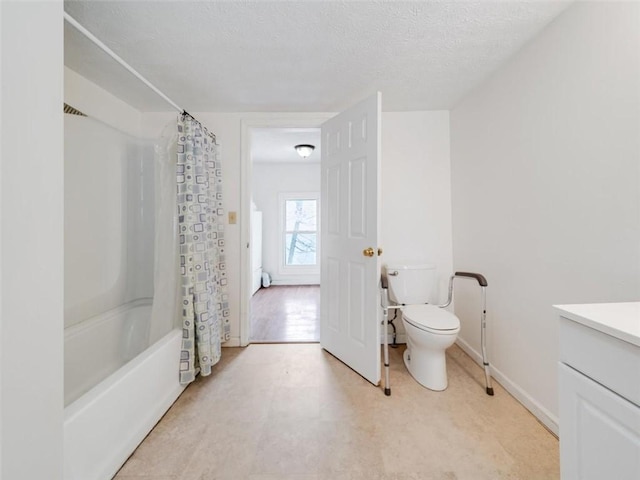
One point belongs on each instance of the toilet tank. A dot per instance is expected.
(410, 284)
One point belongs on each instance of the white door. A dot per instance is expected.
(349, 296)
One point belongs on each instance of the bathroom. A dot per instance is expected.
(549, 217)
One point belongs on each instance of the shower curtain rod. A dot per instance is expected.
(113, 55)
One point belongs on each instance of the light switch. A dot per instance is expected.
(232, 218)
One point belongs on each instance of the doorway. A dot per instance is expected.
(283, 248)
(350, 222)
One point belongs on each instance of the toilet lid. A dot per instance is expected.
(430, 317)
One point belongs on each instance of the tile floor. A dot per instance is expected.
(294, 412)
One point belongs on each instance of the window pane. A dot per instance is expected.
(300, 215)
(300, 249)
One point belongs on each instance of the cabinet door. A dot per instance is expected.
(599, 430)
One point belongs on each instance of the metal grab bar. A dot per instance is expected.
(482, 281)
(384, 300)
(480, 278)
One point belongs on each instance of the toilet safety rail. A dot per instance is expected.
(482, 281)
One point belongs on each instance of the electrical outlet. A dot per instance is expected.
(232, 218)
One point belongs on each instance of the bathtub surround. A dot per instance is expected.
(109, 251)
(109, 218)
(205, 304)
(95, 348)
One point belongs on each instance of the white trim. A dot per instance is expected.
(302, 280)
(542, 414)
(284, 120)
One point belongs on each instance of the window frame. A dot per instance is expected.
(285, 269)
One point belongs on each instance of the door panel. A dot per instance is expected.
(357, 196)
(332, 280)
(332, 200)
(357, 320)
(350, 308)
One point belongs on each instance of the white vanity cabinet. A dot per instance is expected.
(599, 375)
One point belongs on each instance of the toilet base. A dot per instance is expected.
(429, 369)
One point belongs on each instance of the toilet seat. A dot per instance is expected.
(431, 319)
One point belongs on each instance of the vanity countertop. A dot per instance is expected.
(620, 320)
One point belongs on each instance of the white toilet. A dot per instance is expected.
(430, 329)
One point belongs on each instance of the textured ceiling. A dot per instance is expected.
(276, 145)
(317, 56)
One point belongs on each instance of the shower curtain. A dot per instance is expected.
(166, 303)
(203, 288)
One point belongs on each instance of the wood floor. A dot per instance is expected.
(286, 314)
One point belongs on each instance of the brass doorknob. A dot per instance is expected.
(368, 252)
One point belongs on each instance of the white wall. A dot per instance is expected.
(545, 185)
(269, 180)
(416, 194)
(415, 187)
(31, 405)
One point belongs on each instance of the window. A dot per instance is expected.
(300, 235)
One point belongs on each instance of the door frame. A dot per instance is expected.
(267, 120)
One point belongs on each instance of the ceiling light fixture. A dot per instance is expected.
(304, 150)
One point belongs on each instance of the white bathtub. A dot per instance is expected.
(104, 425)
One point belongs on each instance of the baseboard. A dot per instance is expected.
(311, 280)
(542, 414)
(232, 342)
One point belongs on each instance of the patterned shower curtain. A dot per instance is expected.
(205, 305)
